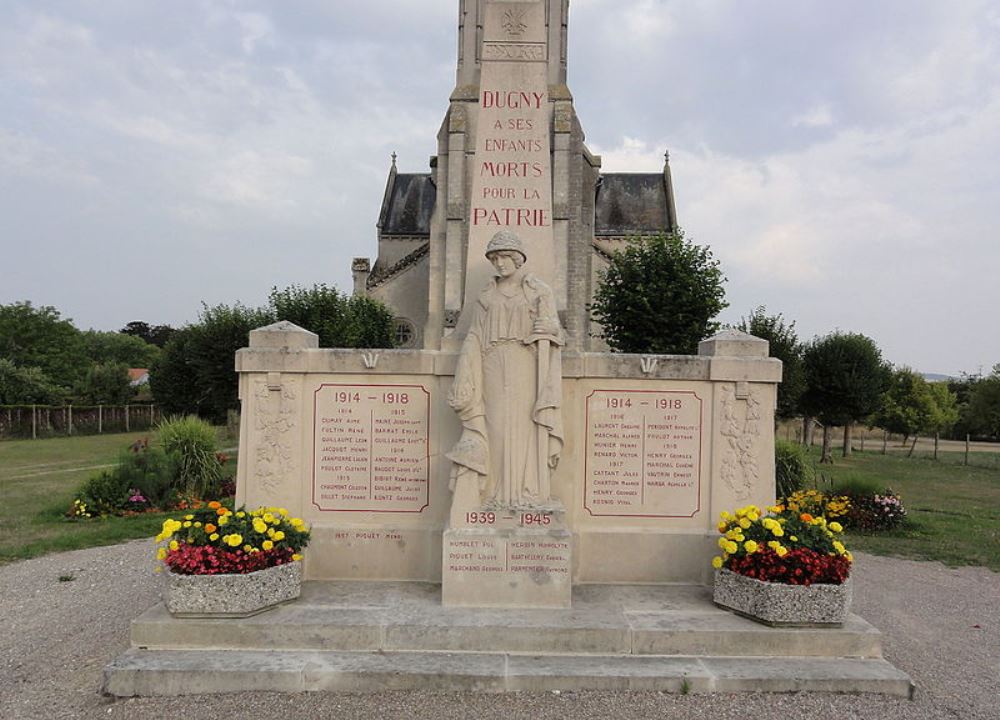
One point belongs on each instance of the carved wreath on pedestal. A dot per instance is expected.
(513, 22)
(740, 469)
(274, 416)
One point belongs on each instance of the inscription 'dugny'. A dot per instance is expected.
(371, 448)
(643, 453)
(512, 167)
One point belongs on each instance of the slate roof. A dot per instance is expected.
(408, 205)
(631, 203)
(627, 204)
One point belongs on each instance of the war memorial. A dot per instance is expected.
(502, 504)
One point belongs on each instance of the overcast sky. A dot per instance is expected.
(840, 158)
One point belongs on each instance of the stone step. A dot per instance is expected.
(182, 672)
(604, 620)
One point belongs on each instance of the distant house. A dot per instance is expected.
(138, 377)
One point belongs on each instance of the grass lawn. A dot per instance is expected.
(38, 482)
(953, 510)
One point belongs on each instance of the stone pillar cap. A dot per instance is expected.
(283, 335)
(733, 343)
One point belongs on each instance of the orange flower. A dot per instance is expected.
(215, 504)
(220, 511)
(806, 517)
(210, 528)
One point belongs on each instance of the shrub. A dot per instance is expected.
(792, 469)
(141, 471)
(876, 512)
(190, 441)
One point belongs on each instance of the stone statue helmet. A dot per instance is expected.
(506, 241)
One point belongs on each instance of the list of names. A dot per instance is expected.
(371, 448)
(643, 453)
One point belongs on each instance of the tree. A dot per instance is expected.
(41, 338)
(907, 405)
(783, 344)
(845, 379)
(340, 321)
(157, 335)
(981, 416)
(103, 348)
(106, 383)
(945, 413)
(660, 294)
(27, 386)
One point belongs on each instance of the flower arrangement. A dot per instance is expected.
(782, 546)
(878, 511)
(214, 540)
(818, 504)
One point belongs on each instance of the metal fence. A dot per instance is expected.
(42, 421)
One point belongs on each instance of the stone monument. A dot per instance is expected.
(503, 454)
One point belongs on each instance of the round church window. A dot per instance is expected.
(405, 333)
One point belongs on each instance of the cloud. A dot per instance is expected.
(815, 117)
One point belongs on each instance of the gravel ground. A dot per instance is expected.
(941, 625)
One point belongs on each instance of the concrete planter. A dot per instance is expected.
(236, 596)
(781, 605)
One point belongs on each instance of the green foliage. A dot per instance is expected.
(845, 378)
(792, 469)
(660, 294)
(190, 443)
(111, 347)
(908, 406)
(33, 337)
(945, 413)
(149, 470)
(196, 373)
(783, 344)
(981, 414)
(157, 335)
(340, 321)
(27, 386)
(106, 383)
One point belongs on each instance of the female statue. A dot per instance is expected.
(508, 387)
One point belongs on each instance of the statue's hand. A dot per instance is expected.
(553, 461)
(543, 326)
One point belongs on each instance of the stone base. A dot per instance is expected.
(514, 567)
(373, 637)
(232, 596)
(782, 605)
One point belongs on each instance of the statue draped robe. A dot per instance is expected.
(501, 399)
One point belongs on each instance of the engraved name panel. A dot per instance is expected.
(643, 453)
(371, 448)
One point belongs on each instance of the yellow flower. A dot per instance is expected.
(187, 523)
(297, 523)
(782, 551)
(174, 545)
(744, 523)
(793, 538)
(731, 547)
(267, 544)
(241, 514)
(723, 542)
(296, 557)
(161, 553)
(750, 546)
(197, 524)
(839, 547)
(233, 540)
(774, 545)
(213, 537)
(725, 515)
(778, 531)
(223, 520)
(722, 527)
(753, 515)
(247, 548)
(268, 518)
(189, 517)
(283, 512)
(259, 525)
(850, 558)
(278, 536)
(717, 562)
(836, 527)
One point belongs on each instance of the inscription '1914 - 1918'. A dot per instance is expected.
(371, 448)
(643, 453)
